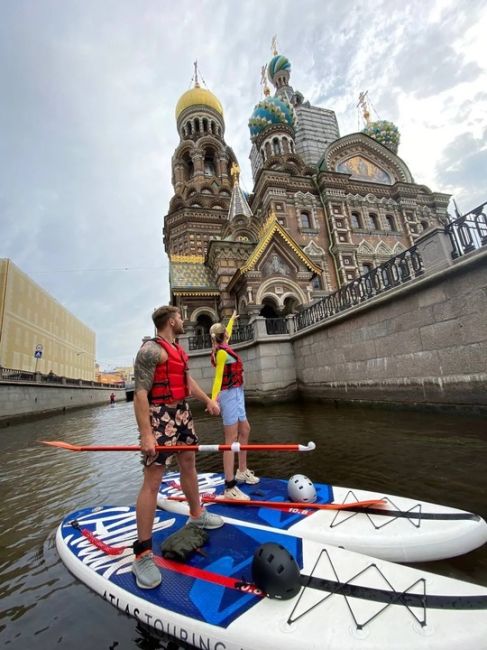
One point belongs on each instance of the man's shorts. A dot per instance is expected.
(232, 405)
(171, 426)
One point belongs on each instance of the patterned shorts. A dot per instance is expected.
(171, 426)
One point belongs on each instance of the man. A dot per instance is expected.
(162, 384)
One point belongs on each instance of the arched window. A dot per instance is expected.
(391, 224)
(316, 282)
(356, 223)
(285, 145)
(365, 267)
(268, 152)
(424, 225)
(189, 128)
(262, 155)
(209, 165)
(276, 147)
(373, 221)
(188, 167)
(305, 220)
(205, 125)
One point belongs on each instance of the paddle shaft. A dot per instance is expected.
(285, 504)
(236, 447)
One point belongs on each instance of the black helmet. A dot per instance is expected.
(275, 571)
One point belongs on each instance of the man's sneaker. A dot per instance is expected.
(247, 477)
(147, 575)
(206, 520)
(235, 493)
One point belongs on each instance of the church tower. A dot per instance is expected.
(199, 208)
(200, 174)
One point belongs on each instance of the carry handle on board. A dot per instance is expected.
(236, 446)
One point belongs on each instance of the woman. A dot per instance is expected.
(228, 389)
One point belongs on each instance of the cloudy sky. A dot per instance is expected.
(87, 128)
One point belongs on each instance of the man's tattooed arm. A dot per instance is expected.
(149, 355)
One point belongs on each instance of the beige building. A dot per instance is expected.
(33, 321)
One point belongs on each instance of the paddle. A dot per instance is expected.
(236, 446)
(285, 504)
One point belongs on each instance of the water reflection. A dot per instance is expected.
(425, 456)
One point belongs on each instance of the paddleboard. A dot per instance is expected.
(346, 600)
(401, 530)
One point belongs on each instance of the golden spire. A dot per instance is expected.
(235, 173)
(263, 81)
(274, 45)
(196, 82)
(363, 102)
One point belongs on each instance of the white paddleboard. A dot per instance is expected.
(402, 530)
(347, 601)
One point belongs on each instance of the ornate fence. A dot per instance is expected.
(394, 272)
(240, 334)
(468, 232)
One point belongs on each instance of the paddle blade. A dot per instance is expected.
(60, 444)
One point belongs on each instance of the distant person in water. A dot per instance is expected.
(229, 392)
(112, 398)
(162, 386)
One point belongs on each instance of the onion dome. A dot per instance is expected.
(278, 63)
(198, 96)
(384, 132)
(271, 110)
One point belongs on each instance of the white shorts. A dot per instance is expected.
(232, 405)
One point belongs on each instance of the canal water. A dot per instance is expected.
(431, 457)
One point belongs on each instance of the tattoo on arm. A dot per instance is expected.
(149, 355)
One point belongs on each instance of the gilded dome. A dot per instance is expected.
(384, 132)
(198, 96)
(271, 110)
(277, 64)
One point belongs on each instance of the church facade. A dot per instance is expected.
(324, 208)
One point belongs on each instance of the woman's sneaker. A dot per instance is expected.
(206, 520)
(147, 575)
(247, 477)
(235, 493)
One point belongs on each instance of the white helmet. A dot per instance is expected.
(300, 489)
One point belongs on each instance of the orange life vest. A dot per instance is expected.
(170, 378)
(232, 372)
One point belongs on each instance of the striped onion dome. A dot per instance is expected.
(384, 132)
(277, 64)
(271, 110)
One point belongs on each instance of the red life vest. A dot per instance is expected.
(232, 372)
(170, 378)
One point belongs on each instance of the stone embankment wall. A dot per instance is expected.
(21, 400)
(426, 344)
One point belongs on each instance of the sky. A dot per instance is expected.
(87, 126)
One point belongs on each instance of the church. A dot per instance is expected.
(324, 208)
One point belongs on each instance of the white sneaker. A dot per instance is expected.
(206, 520)
(235, 493)
(247, 477)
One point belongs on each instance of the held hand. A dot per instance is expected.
(212, 407)
(235, 315)
(148, 444)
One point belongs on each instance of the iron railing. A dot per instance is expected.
(276, 326)
(240, 334)
(12, 374)
(396, 271)
(468, 232)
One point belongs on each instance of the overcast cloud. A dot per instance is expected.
(87, 127)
